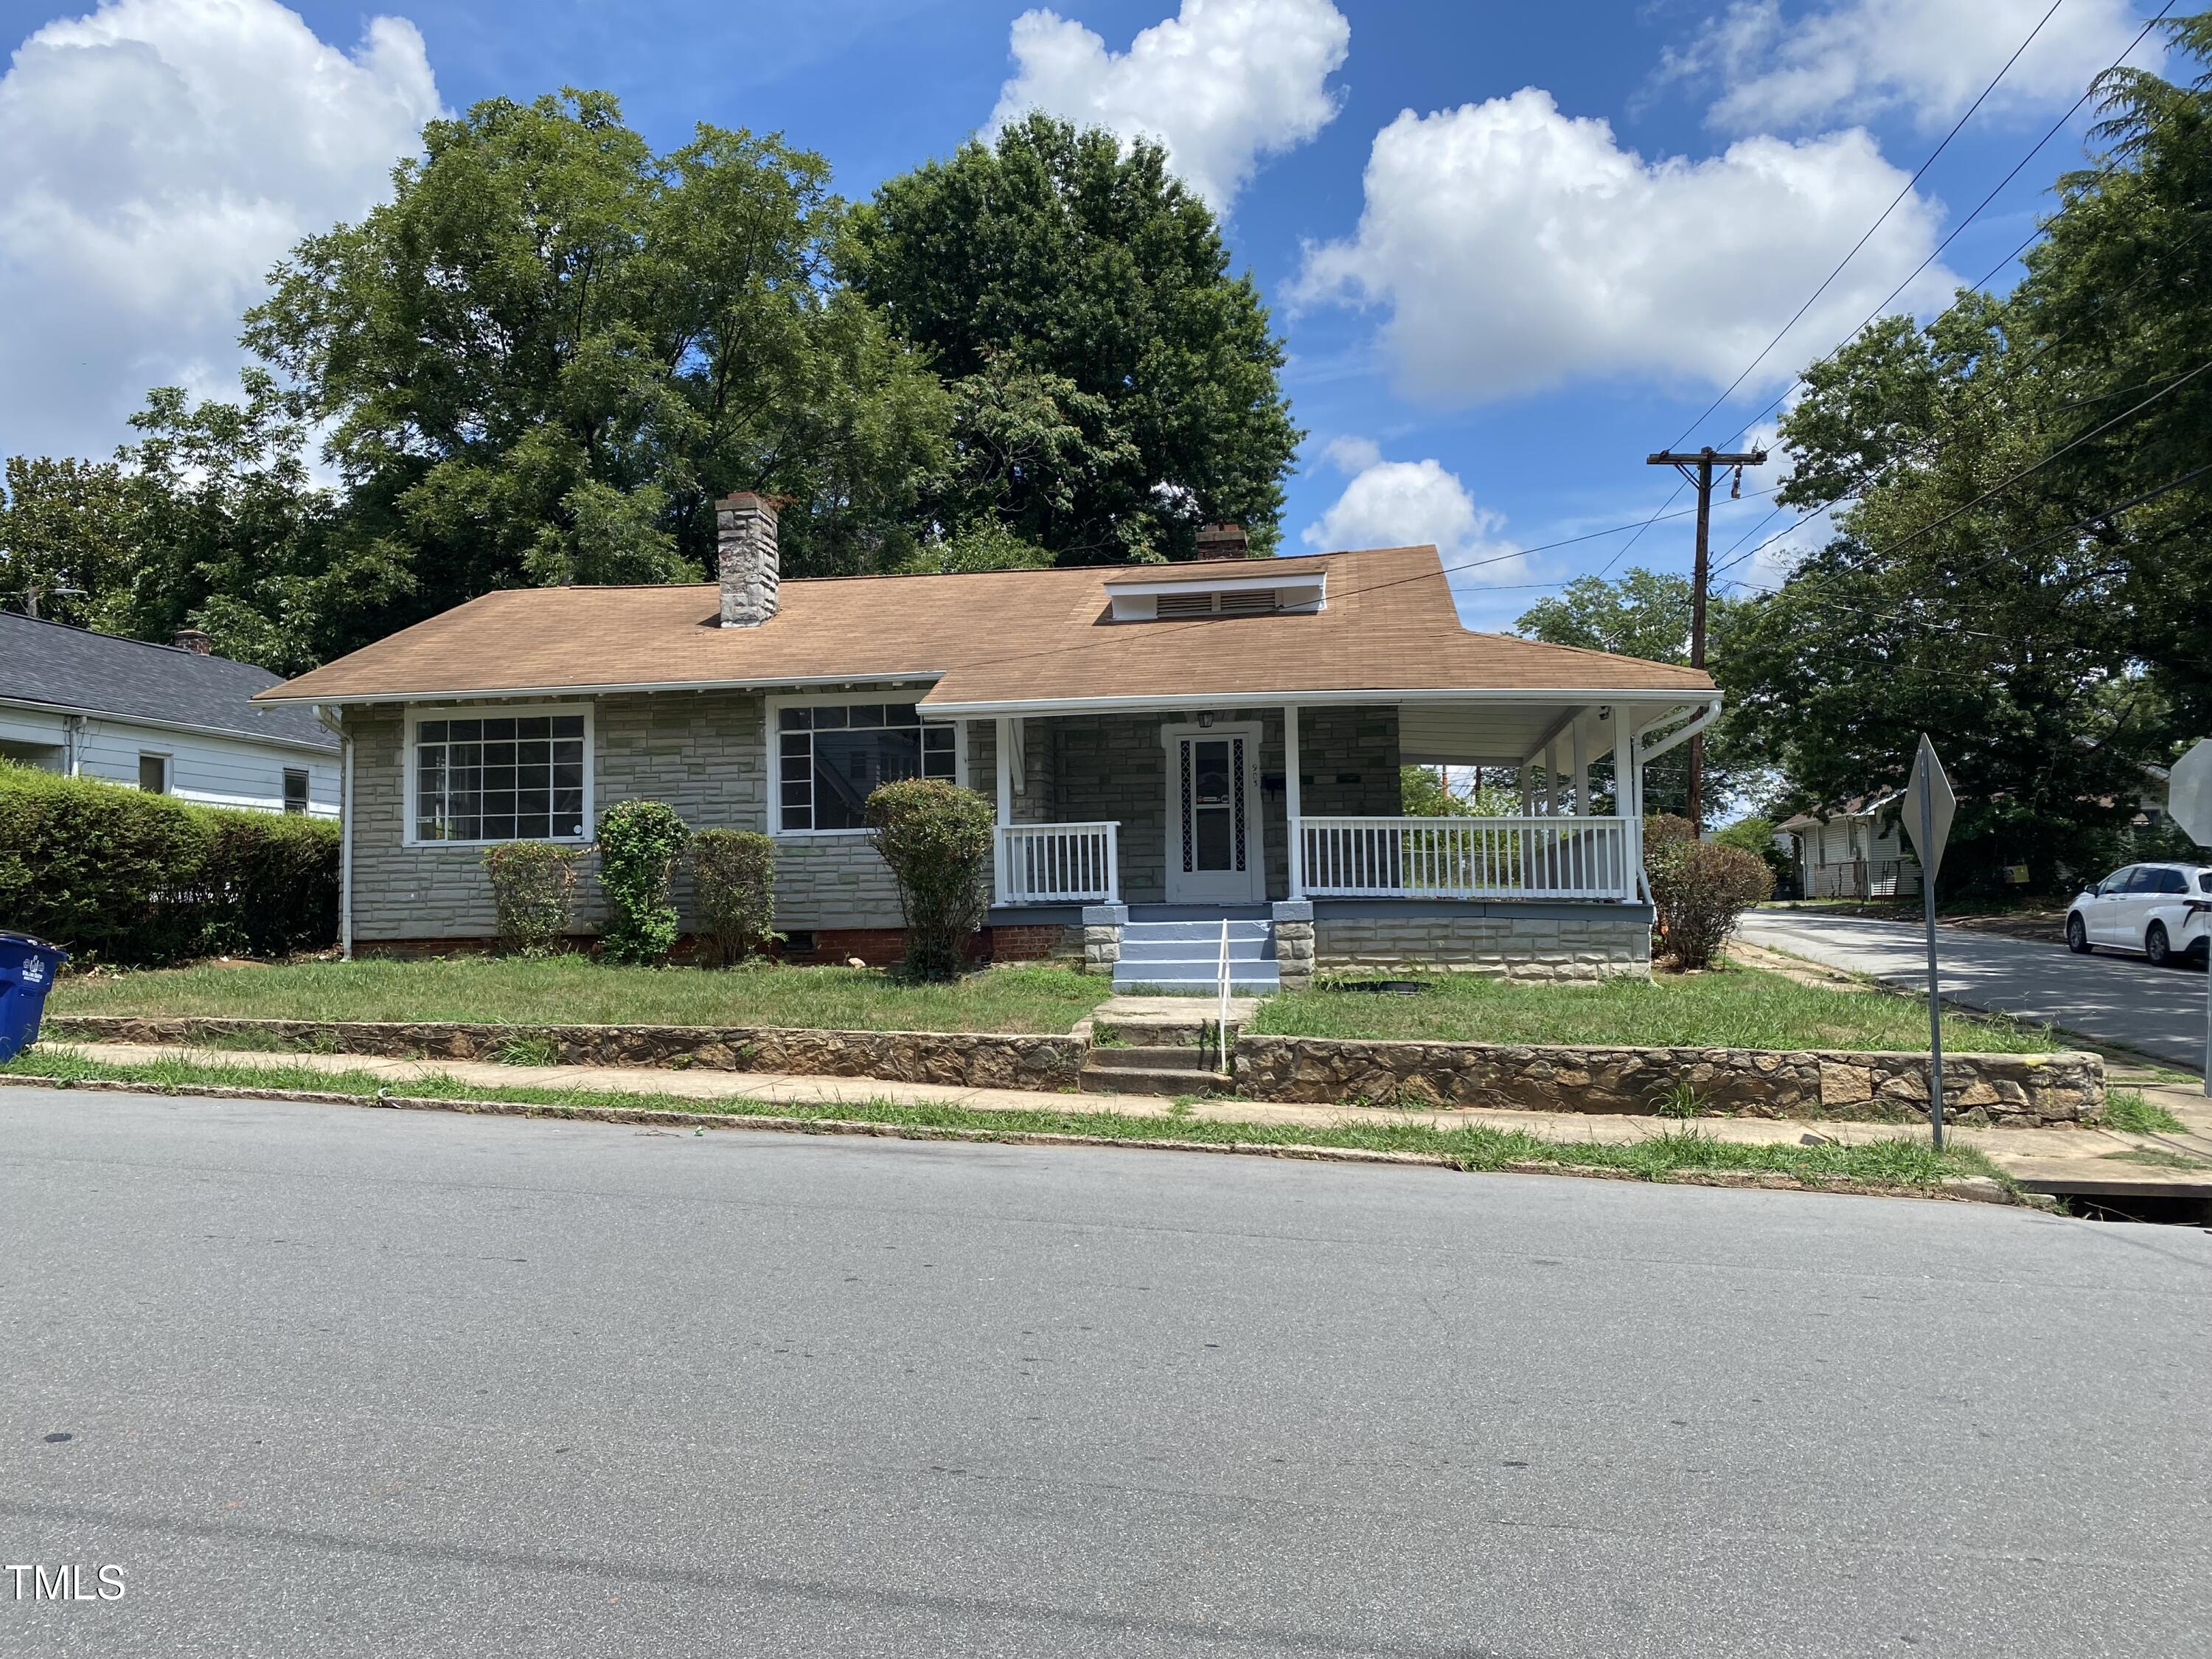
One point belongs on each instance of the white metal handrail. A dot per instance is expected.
(1059, 863)
(1221, 1021)
(1540, 857)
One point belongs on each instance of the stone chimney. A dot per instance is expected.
(746, 558)
(195, 640)
(1222, 541)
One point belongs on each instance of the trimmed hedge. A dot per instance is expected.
(640, 841)
(733, 886)
(116, 875)
(936, 836)
(533, 894)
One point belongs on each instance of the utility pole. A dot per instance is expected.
(1698, 468)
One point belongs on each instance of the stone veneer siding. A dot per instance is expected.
(701, 752)
(1520, 941)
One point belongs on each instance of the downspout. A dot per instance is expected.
(335, 721)
(345, 851)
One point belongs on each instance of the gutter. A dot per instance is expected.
(239, 734)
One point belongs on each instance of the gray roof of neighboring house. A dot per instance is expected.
(50, 662)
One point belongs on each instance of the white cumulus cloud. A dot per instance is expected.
(160, 156)
(1854, 59)
(1515, 249)
(1405, 504)
(1220, 85)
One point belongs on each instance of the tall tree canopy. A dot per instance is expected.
(541, 359)
(2021, 561)
(1115, 386)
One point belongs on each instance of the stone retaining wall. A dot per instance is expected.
(2022, 1091)
(973, 1060)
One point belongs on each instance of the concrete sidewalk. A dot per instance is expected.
(2019, 1149)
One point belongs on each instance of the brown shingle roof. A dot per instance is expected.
(987, 638)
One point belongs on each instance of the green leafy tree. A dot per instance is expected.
(69, 540)
(2022, 560)
(544, 357)
(1646, 613)
(1115, 388)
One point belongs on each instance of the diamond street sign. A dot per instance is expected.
(2189, 792)
(1931, 791)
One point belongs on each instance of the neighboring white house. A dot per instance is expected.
(1854, 850)
(171, 719)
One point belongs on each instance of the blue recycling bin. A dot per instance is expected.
(27, 966)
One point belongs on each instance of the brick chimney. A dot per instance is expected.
(195, 640)
(1222, 541)
(746, 558)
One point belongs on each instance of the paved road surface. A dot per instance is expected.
(2114, 999)
(342, 1381)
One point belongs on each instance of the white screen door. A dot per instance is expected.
(1214, 815)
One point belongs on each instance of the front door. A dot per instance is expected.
(1214, 815)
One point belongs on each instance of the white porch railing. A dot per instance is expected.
(1560, 857)
(1060, 864)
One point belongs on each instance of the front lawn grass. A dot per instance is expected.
(1733, 1006)
(574, 990)
(1893, 1162)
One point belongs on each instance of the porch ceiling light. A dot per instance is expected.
(1206, 718)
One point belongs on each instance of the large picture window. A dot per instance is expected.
(505, 778)
(830, 756)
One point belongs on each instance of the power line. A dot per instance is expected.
(1883, 219)
(2034, 149)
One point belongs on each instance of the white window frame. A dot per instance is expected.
(417, 712)
(772, 748)
(168, 759)
(285, 776)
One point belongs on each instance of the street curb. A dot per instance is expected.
(1973, 1190)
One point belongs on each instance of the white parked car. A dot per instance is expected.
(2163, 910)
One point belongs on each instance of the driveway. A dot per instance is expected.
(2108, 998)
(323, 1380)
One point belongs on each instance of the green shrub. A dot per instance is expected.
(734, 885)
(533, 894)
(639, 842)
(936, 836)
(1698, 888)
(272, 881)
(117, 875)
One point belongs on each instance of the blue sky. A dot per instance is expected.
(1494, 305)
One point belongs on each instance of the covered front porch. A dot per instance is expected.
(1248, 806)
(1291, 813)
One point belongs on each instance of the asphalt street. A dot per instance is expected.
(337, 1381)
(2112, 999)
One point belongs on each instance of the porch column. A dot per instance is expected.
(1527, 781)
(1624, 795)
(1297, 837)
(1002, 752)
(1551, 780)
(1581, 769)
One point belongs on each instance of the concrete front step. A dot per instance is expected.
(1181, 981)
(1150, 1080)
(1208, 931)
(1174, 1057)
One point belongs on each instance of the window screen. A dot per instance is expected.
(153, 773)
(295, 790)
(512, 778)
(832, 754)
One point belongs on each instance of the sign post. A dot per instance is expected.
(2188, 803)
(1929, 808)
